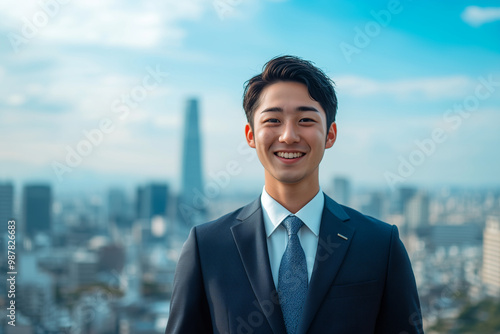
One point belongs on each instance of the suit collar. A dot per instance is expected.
(330, 205)
(250, 238)
(335, 209)
(249, 210)
(274, 213)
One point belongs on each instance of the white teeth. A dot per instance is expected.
(287, 155)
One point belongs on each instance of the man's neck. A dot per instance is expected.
(294, 196)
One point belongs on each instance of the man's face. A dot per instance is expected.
(289, 133)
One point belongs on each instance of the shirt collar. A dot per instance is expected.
(310, 213)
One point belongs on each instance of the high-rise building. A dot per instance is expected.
(417, 211)
(34, 290)
(118, 208)
(190, 208)
(463, 235)
(404, 196)
(342, 190)
(83, 268)
(491, 256)
(152, 200)
(37, 208)
(139, 198)
(6, 203)
(375, 205)
(157, 196)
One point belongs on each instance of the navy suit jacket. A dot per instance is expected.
(365, 284)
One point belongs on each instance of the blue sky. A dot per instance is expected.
(65, 65)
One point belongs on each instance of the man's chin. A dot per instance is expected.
(289, 179)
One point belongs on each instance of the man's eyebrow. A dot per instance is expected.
(307, 108)
(272, 109)
(279, 109)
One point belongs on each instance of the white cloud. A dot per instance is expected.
(109, 23)
(428, 88)
(476, 16)
(116, 28)
(15, 99)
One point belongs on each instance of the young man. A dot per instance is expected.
(293, 261)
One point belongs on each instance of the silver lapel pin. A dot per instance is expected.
(342, 236)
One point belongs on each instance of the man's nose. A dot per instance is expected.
(290, 134)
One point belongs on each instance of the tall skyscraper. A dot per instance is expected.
(6, 202)
(342, 190)
(37, 208)
(404, 196)
(152, 200)
(118, 208)
(191, 206)
(375, 205)
(139, 198)
(491, 256)
(417, 211)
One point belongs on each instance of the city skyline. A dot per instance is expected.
(86, 248)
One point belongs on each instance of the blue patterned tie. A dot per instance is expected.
(292, 278)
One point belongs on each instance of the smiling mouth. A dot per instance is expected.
(289, 155)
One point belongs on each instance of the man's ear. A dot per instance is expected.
(331, 135)
(249, 135)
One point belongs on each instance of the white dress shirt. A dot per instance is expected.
(277, 238)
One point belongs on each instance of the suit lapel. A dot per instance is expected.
(250, 239)
(332, 249)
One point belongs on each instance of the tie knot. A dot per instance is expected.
(292, 224)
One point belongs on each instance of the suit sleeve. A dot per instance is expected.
(189, 311)
(400, 307)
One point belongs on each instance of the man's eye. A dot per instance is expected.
(272, 120)
(307, 120)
